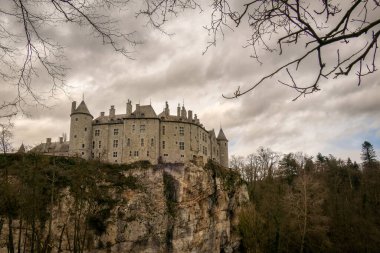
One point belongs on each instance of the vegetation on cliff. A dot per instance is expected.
(32, 185)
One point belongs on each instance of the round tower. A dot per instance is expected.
(80, 131)
(223, 148)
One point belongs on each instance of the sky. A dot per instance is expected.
(172, 67)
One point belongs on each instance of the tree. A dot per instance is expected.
(5, 138)
(368, 154)
(313, 29)
(27, 51)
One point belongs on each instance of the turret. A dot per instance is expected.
(80, 131)
(179, 110)
(223, 148)
(183, 112)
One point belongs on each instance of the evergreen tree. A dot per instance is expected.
(368, 154)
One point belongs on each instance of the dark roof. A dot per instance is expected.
(82, 108)
(144, 111)
(221, 136)
(51, 148)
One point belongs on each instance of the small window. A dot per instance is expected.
(114, 154)
(130, 153)
(182, 155)
(142, 142)
(115, 131)
(163, 130)
(163, 144)
(100, 144)
(166, 155)
(142, 128)
(93, 144)
(128, 142)
(75, 136)
(133, 128)
(136, 153)
(76, 119)
(115, 143)
(85, 129)
(181, 131)
(147, 153)
(97, 132)
(82, 145)
(82, 153)
(181, 145)
(152, 142)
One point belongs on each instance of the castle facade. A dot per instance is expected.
(141, 134)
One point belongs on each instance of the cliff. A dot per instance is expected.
(163, 208)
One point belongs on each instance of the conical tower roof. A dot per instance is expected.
(82, 109)
(21, 150)
(221, 136)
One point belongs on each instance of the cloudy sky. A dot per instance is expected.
(172, 68)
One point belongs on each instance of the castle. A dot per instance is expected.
(139, 135)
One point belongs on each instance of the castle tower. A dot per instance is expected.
(80, 131)
(223, 148)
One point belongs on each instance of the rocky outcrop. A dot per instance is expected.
(170, 208)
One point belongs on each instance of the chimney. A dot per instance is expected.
(190, 115)
(48, 140)
(178, 110)
(112, 111)
(196, 119)
(60, 139)
(129, 107)
(167, 112)
(102, 114)
(73, 106)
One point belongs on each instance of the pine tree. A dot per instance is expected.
(368, 154)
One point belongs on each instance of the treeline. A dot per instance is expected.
(303, 204)
(51, 204)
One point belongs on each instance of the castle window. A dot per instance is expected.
(114, 154)
(181, 131)
(92, 155)
(82, 153)
(142, 142)
(136, 153)
(93, 144)
(130, 153)
(97, 132)
(166, 155)
(85, 129)
(163, 130)
(82, 145)
(147, 153)
(116, 131)
(142, 128)
(129, 142)
(181, 145)
(76, 119)
(152, 142)
(100, 144)
(163, 144)
(182, 155)
(133, 128)
(75, 136)
(115, 143)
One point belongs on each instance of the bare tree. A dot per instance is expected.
(5, 138)
(27, 51)
(314, 29)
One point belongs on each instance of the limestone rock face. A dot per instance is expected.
(175, 208)
(182, 208)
